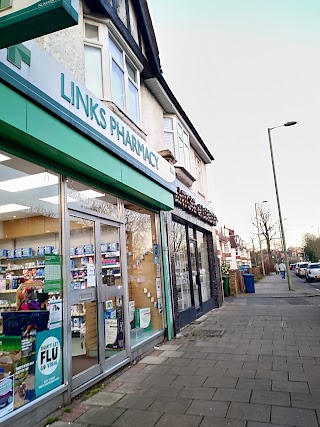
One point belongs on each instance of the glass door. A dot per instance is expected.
(195, 274)
(111, 293)
(84, 301)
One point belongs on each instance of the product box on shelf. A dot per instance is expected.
(11, 253)
(27, 252)
(3, 253)
(143, 318)
(55, 251)
(88, 249)
(72, 251)
(79, 250)
(112, 247)
(18, 253)
(72, 263)
(104, 247)
(111, 314)
(40, 251)
(48, 250)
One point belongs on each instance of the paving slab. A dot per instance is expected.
(101, 416)
(290, 386)
(294, 417)
(232, 395)
(249, 411)
(270, 397)
(201, 393)
(208, 407)
(222, 422)
(134, 418)
(132, 401)
(104, 399)
(178, 420)
(171, 405)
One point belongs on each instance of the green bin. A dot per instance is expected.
(225, 285)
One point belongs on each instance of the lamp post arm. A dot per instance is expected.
(279, 210)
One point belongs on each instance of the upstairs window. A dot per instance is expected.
(176, 139)
(199, 174)
(109, 72)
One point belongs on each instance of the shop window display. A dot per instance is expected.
(30, 283)
(180, 255)
(144, 273)
(203, 255)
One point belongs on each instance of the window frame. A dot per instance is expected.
(107, 31)
(177, 139)
(199, 174)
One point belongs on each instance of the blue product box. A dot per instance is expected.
(111, 314)
(72, 251)
(18, 253)
(40, 250)
(72, 263)
(3, 253)
(48, 250)
(11, 253)
(80, 250)
(88, 249)
(113, 247)
(104, 247)
(27, 252)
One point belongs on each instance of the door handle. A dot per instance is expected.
(85, 298)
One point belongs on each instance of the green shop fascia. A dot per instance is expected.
(50, 119)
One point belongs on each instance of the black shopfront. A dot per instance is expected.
(195, 278)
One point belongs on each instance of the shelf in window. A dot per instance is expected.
(8, 291)
(26, 257)
(79, 269)
(78, 315)
(82, 279)
(111, 266)
(107, 255)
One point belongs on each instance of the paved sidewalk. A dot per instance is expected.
(274, 286)
(253, 363)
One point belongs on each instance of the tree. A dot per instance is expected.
(266, 227)
(311, 247)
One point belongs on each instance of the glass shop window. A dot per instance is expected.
(144, 273)
(30, 283)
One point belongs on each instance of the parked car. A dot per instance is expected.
(292, 266)
(313, 272)
(301, 269)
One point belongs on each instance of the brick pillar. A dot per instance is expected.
(233, 283)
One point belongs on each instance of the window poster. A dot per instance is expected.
(6, 395)
(49, 360)
(24, 371)
(52, 273)
(55, 313)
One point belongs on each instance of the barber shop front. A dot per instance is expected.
(82, 277)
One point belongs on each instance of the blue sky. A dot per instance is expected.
(237, 68)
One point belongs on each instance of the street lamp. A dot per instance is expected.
(278, 201)
(262, 262)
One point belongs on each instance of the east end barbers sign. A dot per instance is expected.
(22, 20)
(34, 72)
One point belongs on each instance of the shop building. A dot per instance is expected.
(82, 284)
(194, 267)
(85, 184)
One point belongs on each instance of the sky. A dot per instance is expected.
(238, 67)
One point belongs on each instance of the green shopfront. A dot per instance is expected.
(83, 280)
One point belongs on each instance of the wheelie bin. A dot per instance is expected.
(249, 283)
(225, 280)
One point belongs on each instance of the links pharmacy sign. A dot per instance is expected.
(22, 20)
(34, 72)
